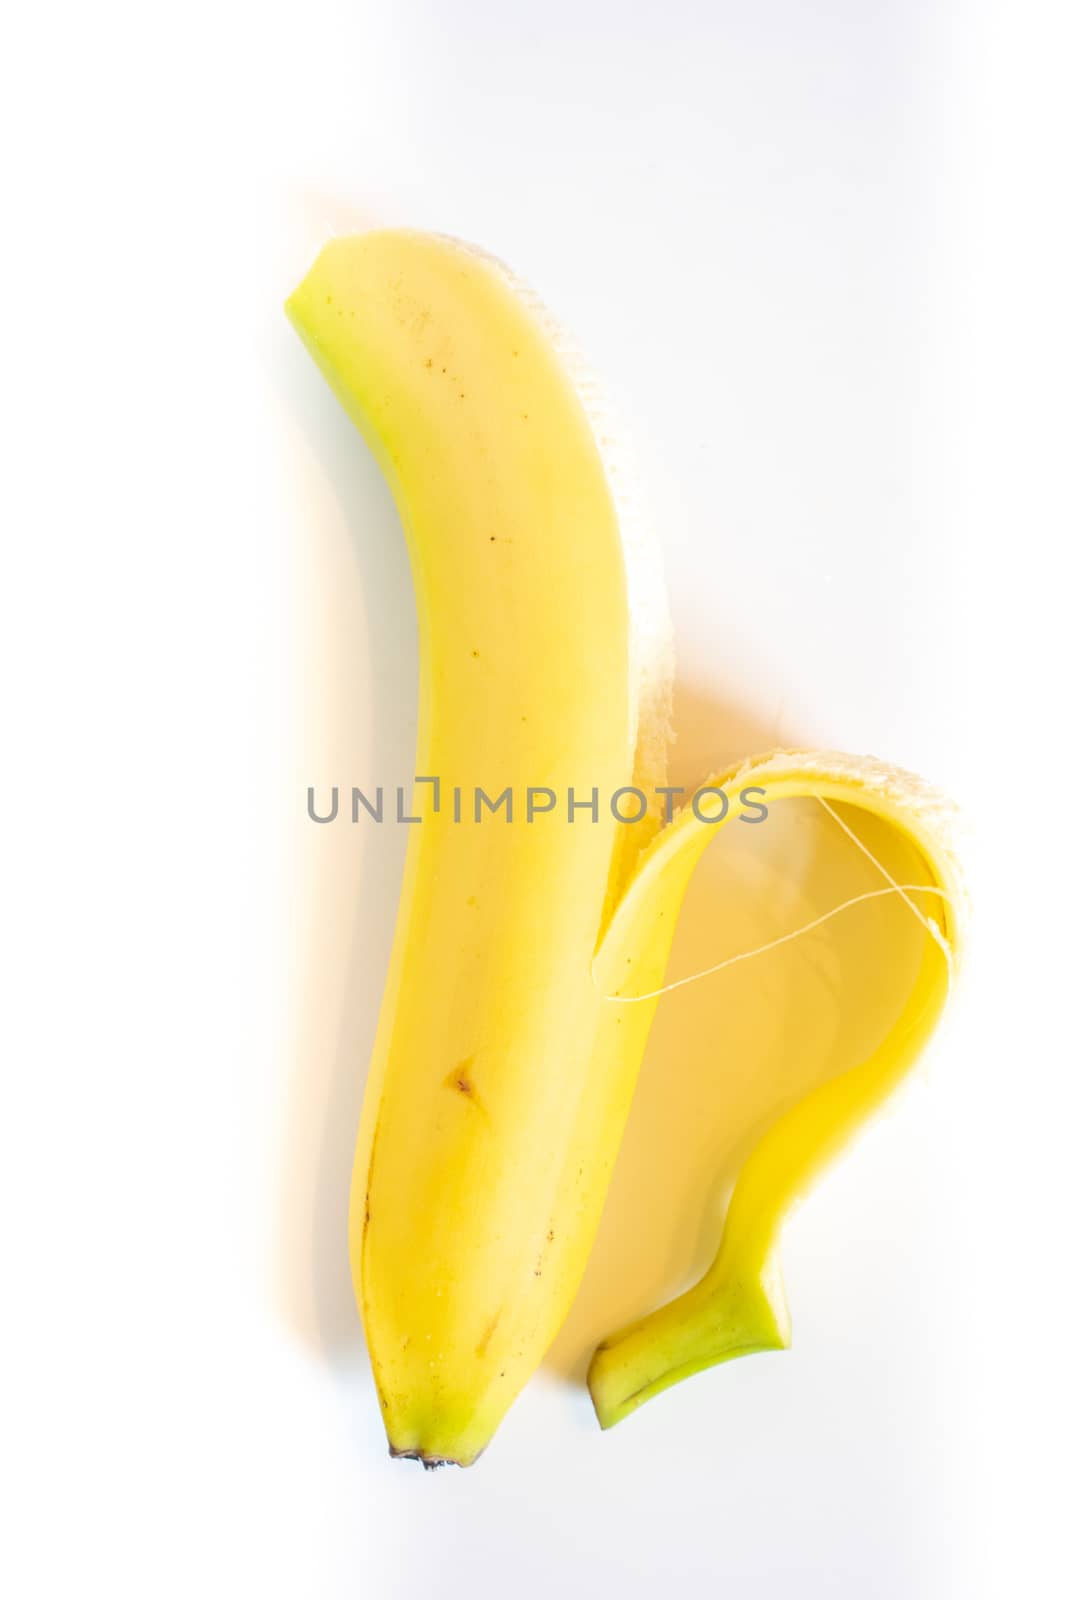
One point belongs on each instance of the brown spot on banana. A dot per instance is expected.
(483, 1343)
(461, 1080)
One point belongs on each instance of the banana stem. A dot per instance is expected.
(728, 1314)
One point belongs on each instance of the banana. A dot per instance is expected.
(489, 1129)
(529, 944)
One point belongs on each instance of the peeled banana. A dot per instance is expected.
(532, 938)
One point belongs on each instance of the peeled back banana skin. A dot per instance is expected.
(502, 1072)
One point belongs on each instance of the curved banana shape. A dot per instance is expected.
(512, 1028)
(738, 1308)
(490, 1125)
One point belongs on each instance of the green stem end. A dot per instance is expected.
(725, 1316)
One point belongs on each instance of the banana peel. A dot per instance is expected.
(739, 1307)
(530, 954)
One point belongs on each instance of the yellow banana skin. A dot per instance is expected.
(507, 1049)
(739, 1307)
(490, 1126)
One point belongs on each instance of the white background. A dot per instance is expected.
(815, 251)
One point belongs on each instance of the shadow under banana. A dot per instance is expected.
(355, 625)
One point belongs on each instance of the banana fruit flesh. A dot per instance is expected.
(508, 1047)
